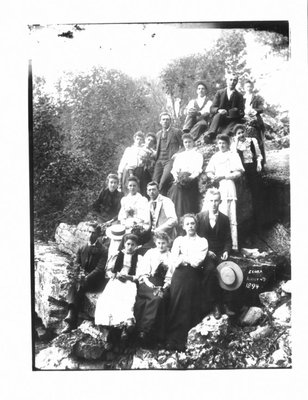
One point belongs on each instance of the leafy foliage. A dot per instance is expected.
(79, 137)
(179, 76)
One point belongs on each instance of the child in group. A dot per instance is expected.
(250, 153)
(130, 160)
(115, 305)
(146, 161)
(154, 275)
(107, 205)
(223, 168)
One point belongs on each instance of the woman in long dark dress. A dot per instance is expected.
(154, 275)
(184, 310)
(108, 203)
(187, 166)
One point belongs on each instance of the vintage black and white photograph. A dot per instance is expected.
(160, 187)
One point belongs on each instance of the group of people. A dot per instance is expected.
(166, 265)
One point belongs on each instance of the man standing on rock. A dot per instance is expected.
(227, 108)
(90, 260)
(215, 227)
(168, 143)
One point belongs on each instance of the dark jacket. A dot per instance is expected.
(219, 238)
(221, 101)
(92, 259)
(108, 203)
(174, 141)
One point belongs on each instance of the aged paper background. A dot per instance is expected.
(17, 378)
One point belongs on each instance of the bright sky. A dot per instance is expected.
(136, 49)
(141, 50)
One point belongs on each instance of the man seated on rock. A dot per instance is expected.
(91, 259)
(227, 108)
(162, 210)
(215, 227)
(198, 112)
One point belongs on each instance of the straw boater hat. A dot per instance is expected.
(230, 275)
(115, 232)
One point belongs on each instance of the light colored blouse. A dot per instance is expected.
(130, 159)
(188, 161)
(151, 261)
(229, 164)
(191, 250)
(134, 210)
(127, 263)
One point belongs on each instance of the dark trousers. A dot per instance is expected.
(94, 282)
(223, 121)
(254, 183)
(162, 175)
(195, 125)
(211, 291)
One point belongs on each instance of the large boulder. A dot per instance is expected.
(66, 351)
(70, 237)
(53, 272)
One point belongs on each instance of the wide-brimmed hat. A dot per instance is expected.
(115, 232)
(230, 275)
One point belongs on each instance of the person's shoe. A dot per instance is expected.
(216, 312)
(228, 311)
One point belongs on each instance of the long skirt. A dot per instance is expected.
(184, 311)
(185, 198)
(150, 310)
(115, 306)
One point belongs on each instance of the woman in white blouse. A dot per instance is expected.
(223, 168)
(184, 311)
(154, 275)
(187, 166)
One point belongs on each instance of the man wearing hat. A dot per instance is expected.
(90, 260)
(198, 112)
(215, 227)
(227, 108)
(169, 141)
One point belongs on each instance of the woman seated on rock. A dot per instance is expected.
(107, 205)
(184, 310)
(130, 160)
(154, 274)
(187, 166)
(115, 305)
(134, 213)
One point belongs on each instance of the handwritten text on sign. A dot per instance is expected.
(255, 278)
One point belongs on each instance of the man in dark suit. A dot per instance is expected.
(90, 261)
(215, 227)
(169, 141)
(227, 108)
